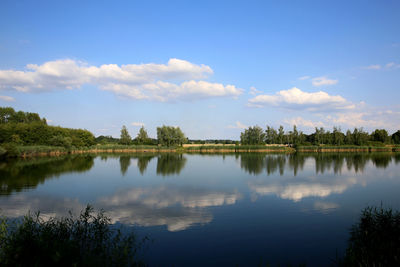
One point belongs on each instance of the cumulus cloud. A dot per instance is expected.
(297, 99)
(238, 125)
(7, 98)
(362, 116)
(178, 79)
(319, 81)
(368, 118)
(299, 121)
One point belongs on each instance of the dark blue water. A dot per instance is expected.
(214, 210)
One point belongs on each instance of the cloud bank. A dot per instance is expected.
(295, 98)
(176, 80)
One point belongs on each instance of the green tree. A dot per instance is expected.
(271, 136)
(380, 135)
(142, 137)
(396, 137)
(295, 135)
(360, 137)
(281, 134)
(252, 136)
(125, 138)
(349, 138)
(170, 136)
(338, 136)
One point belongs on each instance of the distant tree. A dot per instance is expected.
(125, 138)
(142, 137)
(271, 136)
(295, 135)
(252, 136)
(281, 134)
(380, 135)
(360, 137)
(318, 136)
(6, 114)
(348, 139)
(170, 136)
(338, 136)
(396, 137)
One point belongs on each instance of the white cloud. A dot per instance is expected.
(299, 121)
(238, 125)
(362, 116)
(392, 65)
(137, 124)
(254, 91)
(370, 119)
(373, 67)
(7, 98)
(295, 98)
(319, 81)
(302, 78)
(178, 79)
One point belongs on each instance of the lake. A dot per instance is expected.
(214, 210)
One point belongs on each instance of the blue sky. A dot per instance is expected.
(210, 67)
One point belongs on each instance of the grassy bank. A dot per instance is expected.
(347, 148)
(34, 151)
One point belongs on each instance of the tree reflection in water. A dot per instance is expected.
(124, 162)
(170, 164)
(256, 163)
(17, 175)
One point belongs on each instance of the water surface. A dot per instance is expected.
(205, 210)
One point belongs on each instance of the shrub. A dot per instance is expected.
(87, 240)
(375, 239)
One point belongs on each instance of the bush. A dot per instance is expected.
(11, 150)
(375, 239)
(87, 240)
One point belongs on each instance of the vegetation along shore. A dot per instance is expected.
(24, 134)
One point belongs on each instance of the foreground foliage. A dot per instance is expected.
(87, 240)
(375, 239)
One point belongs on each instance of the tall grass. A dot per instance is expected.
(375, 239)
(86, 240)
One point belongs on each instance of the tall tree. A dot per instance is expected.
(338, 136)
(281, 134)
(349, 138)
(142, 137)
(396, 137)
(170, 136)
(380, 135)
(271, 135)
(252, 136)
(125, 138)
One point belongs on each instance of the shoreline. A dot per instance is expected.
(205, 150)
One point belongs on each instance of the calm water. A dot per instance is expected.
(216, 210)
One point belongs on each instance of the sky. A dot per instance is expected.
(212, 68)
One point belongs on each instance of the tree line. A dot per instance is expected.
(166, 136)
(257, 136)
(25, 128)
